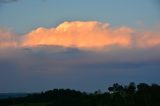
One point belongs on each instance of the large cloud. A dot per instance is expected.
(28, 66)
(80, 35)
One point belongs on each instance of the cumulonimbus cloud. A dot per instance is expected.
(79, 34)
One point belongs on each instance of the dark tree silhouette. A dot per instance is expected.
(118, 95)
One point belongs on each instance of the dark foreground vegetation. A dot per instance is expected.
(117, 95)
(12, 95)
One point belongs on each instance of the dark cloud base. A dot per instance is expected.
(37, 69)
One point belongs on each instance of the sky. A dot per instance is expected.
(79, 44)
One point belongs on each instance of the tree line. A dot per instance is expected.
(141, 94)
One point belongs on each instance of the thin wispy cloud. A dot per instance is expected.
(7, 39)
(7, 1)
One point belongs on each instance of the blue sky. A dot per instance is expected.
(25, 15)
(46, 44)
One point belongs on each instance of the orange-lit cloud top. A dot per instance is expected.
(79, 34)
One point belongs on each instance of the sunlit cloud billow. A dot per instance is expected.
(79, 34)
(82, 35)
